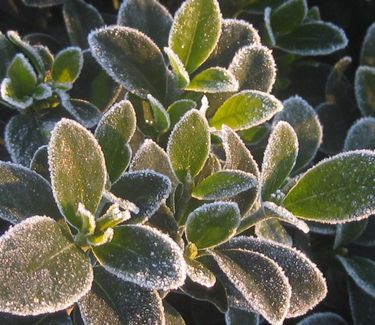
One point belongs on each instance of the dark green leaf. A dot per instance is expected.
(258, 6)
(368, 47)
(367, 239)
(313, 13)
(7, 54)
(172, 317)
(361, 135)
(323, 319)
(211, 166)
(364, 90)
(348, 233)
(42, 3)
(161, 122)
(39, 163)
(361, 305)
(237, 317)
(164, 220)
(67, 65)
(179, 108)
(178, 68)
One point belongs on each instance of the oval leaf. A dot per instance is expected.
(361, 305)
(361, 135)
(178, 68)
(323, 318)
(368, 47)
(236, 316)
(198, 273)
(67, 65)
(364, 89)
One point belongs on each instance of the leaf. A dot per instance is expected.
(322, 193)
(367, 239)
(361, 135)
(348, 233)
(303, 119)
(172, 317)
(144, 256)
(254, 68)
(113, 133)
(131, 59)
(361, 305)
(77, 169)
(42, 269)
(178, 68)
(288, 16)
(10, 98)
(273, 231)
(307, 282)
(179, 108)
(164, 220)
(279, 158)
(42, 91)
(145, 188)
(67, 65)
(59, 318)
(187, 156)
(212, 224)
(7, 53)
(245, 109)
(260, 280)
(42, 3)
(323, 318)
(224, 184)
(39, 164)
(114, 301)
(313, 13)
(161, 122)
(364, 90)
(195, 32)
(237, 316)
(368, 48)
(313, 38)
(269, 35)
(198, 273)
(149, 17)
(80, 18)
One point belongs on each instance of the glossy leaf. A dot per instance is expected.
(323, 318)
(67, 65)
(178, 68)
(364, 89)
(368, 48)
(361, 135)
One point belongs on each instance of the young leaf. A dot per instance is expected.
(245, 109)
(323, 318)
(130, 58)
(361, 305)
(77, 166)
(144, 256)
(149, 17)
(42, 91)
(179, 108)
(236, 316)
(361, 135)
(80, 19)
(114, 301)
(189, 145)
(198, 273)
(195, 32)
(224, 184)
(172, 317)
(348, 233)
(368, 48)
(161, 121)
(364, 89)
(67, 65)
(178, 68)
(336, 190)
(254, 68)
(212, 224)
(113, 133)
(41, 268)
(279, 158)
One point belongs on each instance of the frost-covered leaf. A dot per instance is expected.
(246, 109)
(164, 220)
(42, 91)
(130, 58)
(23, 194)
(189, 145)
(39, 163)
(77, 167)
(361, 135)
(149, 17)
(224, 184)
(269, 35)
(272, 230)
(236, 316)
(211, 166)
(42, 3)
(9, 96)
(361, 305)
(113, 133)
(67, 65)
(178, 68)
(144, 256)
(313, 38)
(179, 108)
(279, 158)
(367, 239)
(59, 318)
(114, 301)
(336, 190)
(306, 281)
(368, 47)
(198, 273)
(348, 233)
(7, 53)
(323, 318)
(42, 270)
(259, 279)
(254, 68)
(146, 189)
(303, 119)
(313, 13)
(364, 89)
(212, 224)
(195, 32)
(80, 19)
(161, 122)
(256, 134)
(172, 317)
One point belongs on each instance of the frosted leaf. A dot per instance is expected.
(39, 163)
(211, 166)
(361, 135)
(361, 305)
(307, 282)
(304, 120)
(42, 91)
(7, 53)
(259, 279)
(367, 239)
(267, 24)
(236, 316)
(368, 48)
(112, 301)
(348, 232)
(178, 68)
(67, 65)
(8, 94)
(42, 3)
(322, 319)
(364, 89)
(279, 158)
(313, 13)
(172, 317)
(41, 268)
(144, 256)
(198, 273)
(161, 121)
(273, 230)
(254, 68)
(336, 190)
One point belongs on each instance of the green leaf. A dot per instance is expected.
(213, 80)
(144, 256)
(368, 47)
(211, 166)
(195, 32)
(245, 109)
(80, 18)
(361, 135)
(269, 35)
(130, 58)
(279, 158)
(7, 54)
(367, 239)
(288, 16)
(322, 193)
(39, 163)
(361, 305)
(42, 91)
(313, 13)
(164, 220)
(178, 68)
(46, 274)
(254, 68)
(303, 119)
(313, 38)
(9, 96)
(198, 273)
(114, 301)
(224, 184)
(272, 230)
(236, 316)
(323, 318)
(67, 65)
(212, 224)
(348, 233)
(42, 3)
(161, 122)
(364, 90)
(113, 133)
(172, 317)
(189, 145)
(77, 167)
(149, 17)
(179, 108)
